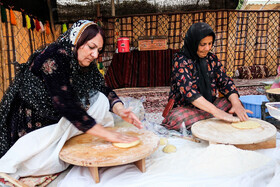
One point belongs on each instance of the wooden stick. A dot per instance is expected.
(188, 138)
(12, 180)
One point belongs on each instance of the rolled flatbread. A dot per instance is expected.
(126, 145)
(246, 124)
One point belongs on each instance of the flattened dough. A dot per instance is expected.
(126, 145)
(246, 125)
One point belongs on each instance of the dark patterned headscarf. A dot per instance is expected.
(194, 35)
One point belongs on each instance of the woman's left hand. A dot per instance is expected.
(240, 111)
(128, 116)
(238, 108)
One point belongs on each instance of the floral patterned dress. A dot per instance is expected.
(184, 87)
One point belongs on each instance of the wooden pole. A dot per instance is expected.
(98, 9)
(2, 60)
(113, 8)
(51, 18)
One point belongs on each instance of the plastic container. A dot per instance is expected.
(253, 103)
(123, 45)
(274, 109)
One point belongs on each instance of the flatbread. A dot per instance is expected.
(126, 145)
(246, 125)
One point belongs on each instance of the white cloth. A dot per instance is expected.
(193, 165)
(37, 153)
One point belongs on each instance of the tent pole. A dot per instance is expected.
(113, 8)
(2, 59)
(51, 18)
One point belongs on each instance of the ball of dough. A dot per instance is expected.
(169, 149)
(163, 141)
(126, 145)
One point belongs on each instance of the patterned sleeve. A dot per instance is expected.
(52, 65)
(111, 95)
(182, 70)
(224, 83)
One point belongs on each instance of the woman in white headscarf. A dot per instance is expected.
(47, 103)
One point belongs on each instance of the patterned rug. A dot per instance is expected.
(156, 97)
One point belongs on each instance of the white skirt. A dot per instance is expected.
(37, 153)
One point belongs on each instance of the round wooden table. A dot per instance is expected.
(218, 131)
(94, 152)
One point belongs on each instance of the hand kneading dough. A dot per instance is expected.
(246, 125)
(169, 149)
(163, 141)
(126, 145)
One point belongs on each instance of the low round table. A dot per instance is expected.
(220, 132)
(94, 152)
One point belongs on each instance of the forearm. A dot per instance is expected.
(205, 105)
(234, 100)
(117, 107)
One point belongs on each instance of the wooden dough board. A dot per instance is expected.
(220, 132)
(93, 152)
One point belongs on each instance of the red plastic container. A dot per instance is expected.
(123, 45)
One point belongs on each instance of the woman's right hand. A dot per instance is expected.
(220, 114)
(110, 135)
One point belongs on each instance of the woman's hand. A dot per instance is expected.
(240, 111)
(237, 108)
(127, 115)
(205, 105)
(220, 114)
(110, 135)
(130, 117)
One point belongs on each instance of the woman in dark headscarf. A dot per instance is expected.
(48, 101)
(197, 75)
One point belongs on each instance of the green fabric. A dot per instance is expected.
(240, 4)
(101, 65)
(64, 28)
(3, 14)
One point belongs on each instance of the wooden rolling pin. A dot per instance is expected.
(187, 138)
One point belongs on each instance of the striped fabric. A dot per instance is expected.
(190, 115)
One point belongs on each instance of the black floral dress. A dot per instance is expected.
(49, 86)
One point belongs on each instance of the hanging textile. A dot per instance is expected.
(32, 23)
(3, 14)
(64, 27)
(42, 26)
(37, 24)
(13, 17)
(48, 30)
(28, 24)
(23, 19)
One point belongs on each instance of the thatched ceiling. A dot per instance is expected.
(71, 13)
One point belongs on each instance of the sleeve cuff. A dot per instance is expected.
(233, 91)
(114, 102)
(194, 97)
